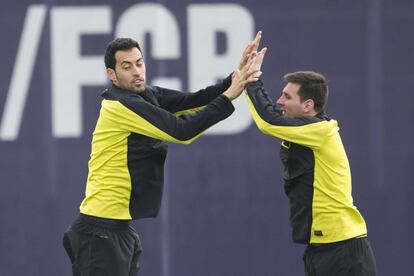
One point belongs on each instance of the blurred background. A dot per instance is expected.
(224, 211)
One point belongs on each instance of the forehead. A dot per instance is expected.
(130, 55)
(291, 88)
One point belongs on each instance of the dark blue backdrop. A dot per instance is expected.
(224, 211)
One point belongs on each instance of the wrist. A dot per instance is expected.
(229, 95)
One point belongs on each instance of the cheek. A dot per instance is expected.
(292, 107)
(296, 107)
(124, 75)
(299, 109)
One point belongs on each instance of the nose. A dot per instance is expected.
(136, 70)
(280, 101)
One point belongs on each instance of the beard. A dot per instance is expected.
(136, 85)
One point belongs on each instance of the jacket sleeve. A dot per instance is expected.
(133, 114)
(183, 102)
(308, 131)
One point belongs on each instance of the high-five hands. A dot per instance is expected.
(249, 69)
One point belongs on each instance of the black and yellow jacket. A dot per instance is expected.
(126, 166)
(316, 172)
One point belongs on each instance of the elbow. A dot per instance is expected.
(263, 127)
(186, 142)
(186, 135)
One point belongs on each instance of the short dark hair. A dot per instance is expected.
(119, 44)
(313, 86)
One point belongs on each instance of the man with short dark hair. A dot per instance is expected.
(126, 166)
(317, 176)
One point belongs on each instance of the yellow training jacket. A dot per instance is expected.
(126, 166)
(316, 172)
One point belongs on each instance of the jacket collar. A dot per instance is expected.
(322, 115)
(115, 93)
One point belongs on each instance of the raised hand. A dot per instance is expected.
(249, 73)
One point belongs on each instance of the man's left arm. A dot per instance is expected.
(305, 130)
(176, 101)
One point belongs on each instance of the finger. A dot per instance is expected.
(249, 66)
(253, 72)
(260, 56)
(256, 40)
(252, 56)
(253, 45)
(249, 80)
(236, 74)
(249, 48)
(262, 52)
(257, 63)
(256, 74)
(252, 78)
(251, 59)
(247, 51)
(245, 55)
(244, 59)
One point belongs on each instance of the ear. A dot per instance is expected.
(309, 106)
(111, 74)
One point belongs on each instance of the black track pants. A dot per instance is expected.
(352, 257)
(101, 247)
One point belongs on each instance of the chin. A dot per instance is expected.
(138, 89)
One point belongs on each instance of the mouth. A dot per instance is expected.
(282, 110)
(138, 81)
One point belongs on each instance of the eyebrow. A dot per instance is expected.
(130, 62)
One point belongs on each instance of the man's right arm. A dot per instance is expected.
(134, 114)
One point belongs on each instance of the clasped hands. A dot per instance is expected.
(249, 68)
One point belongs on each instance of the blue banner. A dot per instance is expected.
(224, 211)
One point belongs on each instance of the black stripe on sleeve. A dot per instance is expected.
(174, 101)
(182, 127)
